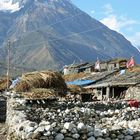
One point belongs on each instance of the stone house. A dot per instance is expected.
(116, 64)
(77, 68)
(114, 86)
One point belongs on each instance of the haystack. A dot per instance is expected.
(3, 84)
(35, 81)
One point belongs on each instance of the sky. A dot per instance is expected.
(122, 16)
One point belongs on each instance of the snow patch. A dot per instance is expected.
(8, 5)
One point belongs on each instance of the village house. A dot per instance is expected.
(77, 68)
(111, 65)
(114, 86)
(116, 64)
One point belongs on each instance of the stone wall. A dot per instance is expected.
(2, 109)
(46, 120)
(133, 93)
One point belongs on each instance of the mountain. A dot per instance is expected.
(48, 34)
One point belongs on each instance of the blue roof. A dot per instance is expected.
(81, 82)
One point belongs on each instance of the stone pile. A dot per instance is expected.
(72, 121)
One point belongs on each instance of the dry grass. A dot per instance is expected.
(72, 77)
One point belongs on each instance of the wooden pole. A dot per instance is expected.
(8, 63)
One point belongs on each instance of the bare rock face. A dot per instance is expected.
(133, 93)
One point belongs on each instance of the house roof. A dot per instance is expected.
(127, 79)
(91, 78)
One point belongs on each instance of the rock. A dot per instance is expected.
(29, 129)
(81, 126)
(113, 136)
(48, 133)
(48, 127)
(68, 138)
(40, 129)
(107, 138)
(74, 131)
(130, 132)
(90, 134)
(89, 128)
(44, 138)
(98, 132)
(43, 123)
(91, 138)
(67, 111)
(36, 135)
(59, 136)
(64, 131)
(32, 124)
(128, 137)
(68, 126)
(53, 124)
(116, 127)
(121, 136)
(29, 135)
(137, 138)
(100, 138)
(76, 136)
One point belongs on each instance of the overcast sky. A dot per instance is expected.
(120, 15)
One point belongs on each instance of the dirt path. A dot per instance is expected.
(3, 131)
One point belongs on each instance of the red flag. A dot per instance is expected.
(130, 63)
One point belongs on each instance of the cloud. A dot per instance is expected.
(114, 21)
(7, 5)
(111, 22)
(135, 39)
(117, 23)
(107, 8)
(92, 12)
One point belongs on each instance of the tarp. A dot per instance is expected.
(14, 82)
(82, 82)
(122, 72)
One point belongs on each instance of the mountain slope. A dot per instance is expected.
(48, 34)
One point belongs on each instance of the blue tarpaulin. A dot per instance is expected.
(14, 82)
(81, 82)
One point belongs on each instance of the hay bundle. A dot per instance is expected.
(33, 80)
(3, 84)
(75, 89)
(22, 86)
(53, 79)
(38, 80)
